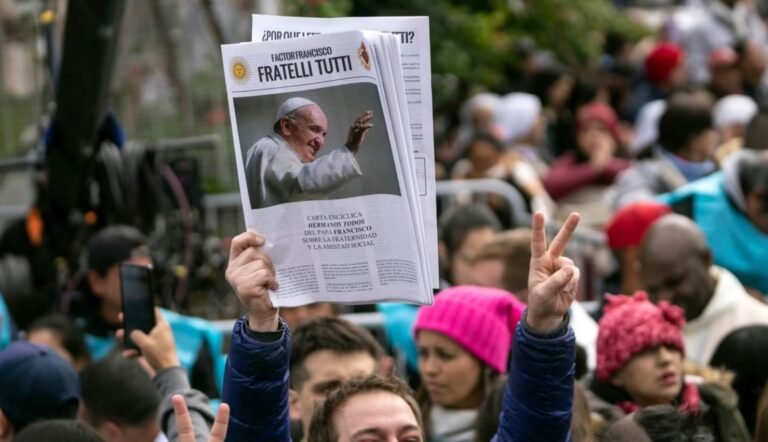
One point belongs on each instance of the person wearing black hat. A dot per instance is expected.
(96, 310)
(106, 250)
(35, 384)
(283, 166)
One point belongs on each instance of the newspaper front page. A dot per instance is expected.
(325, 167)
(413, 36)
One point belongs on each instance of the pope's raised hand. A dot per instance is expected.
(357, 131)
(552, 279)
(251, 274)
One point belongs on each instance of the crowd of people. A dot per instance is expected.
(660, 148)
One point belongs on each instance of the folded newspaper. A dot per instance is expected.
(325, 162)
(413, 33)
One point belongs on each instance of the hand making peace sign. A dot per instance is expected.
(184, 421)
(553, 279)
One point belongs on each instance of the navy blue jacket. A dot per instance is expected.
(538, 402)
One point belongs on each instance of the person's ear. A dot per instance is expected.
(96, 282)
(285, 125)
(294, 408)
(386, 366)
(110, 431)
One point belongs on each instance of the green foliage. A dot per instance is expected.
(572, 29)
(473, 42)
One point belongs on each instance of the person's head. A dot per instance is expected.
(296, 316)
(743, 353)
(665, 66)
(658, 423)
(487, 423)
(303, 124)
(756, 134)
(725, 76)
(552, 84)
(595, 123)
(368, 408)
(119, 400)
(463, 230)
(625, 232)
(525, 50)
(483, 152)
(107, 249)
(325, 353)
(60, 430)
(477, 112)
(686, 128)
(752, 62)
(640, 349)
(503, 262)
(675, 264)
(732, 114)
(35, 384)
(464, 340)
(60, 334)
(753, 180)
(520, 120)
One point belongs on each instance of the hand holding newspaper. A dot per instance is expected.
(325, 163)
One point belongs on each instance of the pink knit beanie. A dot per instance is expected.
(482, 320)
(631, 324)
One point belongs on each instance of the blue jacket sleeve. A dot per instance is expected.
(256, 387)
(538, 401)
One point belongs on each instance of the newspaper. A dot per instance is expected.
(413, 36)
(325, 162)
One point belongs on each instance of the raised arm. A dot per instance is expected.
(159, 350)
(256, 376)
(538, 401)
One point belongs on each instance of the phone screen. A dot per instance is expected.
(138, 303)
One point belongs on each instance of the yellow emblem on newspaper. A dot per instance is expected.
(240, 69)
(365, 58)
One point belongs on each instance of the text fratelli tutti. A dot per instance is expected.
(304, 69)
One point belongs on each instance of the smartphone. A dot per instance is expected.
(138, 300)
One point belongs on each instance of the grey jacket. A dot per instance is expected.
(174, 381)
(644, 180)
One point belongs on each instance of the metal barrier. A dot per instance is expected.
(587, 247)
(12, 212)
(213, 204)
(520, 214)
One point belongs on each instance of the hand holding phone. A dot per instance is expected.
(138, 300)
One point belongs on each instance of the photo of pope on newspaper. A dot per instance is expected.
(319, 144)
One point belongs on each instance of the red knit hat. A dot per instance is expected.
(601, 113)
(662, 60)
(632, 324)
(628, 226)
(482, 320)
